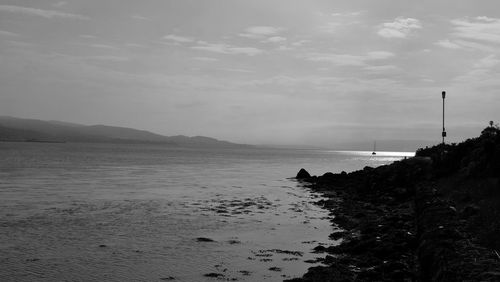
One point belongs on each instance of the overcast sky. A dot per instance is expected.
(255, 71)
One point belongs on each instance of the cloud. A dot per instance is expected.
(379, 55)
(381, 68)
(399, 28)
(300, 43)
(349, 60)
(284, 48)
(102, 46)
(473, 34)
(49, 14)
(483, 74)
(223, 48)
(339, 22)
(19, 43)
(474, 46)
(205, 59)
(260, 31)
(60, 4)
(274, 39)
(236, 70)
(347, 14)
(140, 18)
(8, 33)
(109, 58)
(446, 43)
(280, 80)
(331, 27)
(478, 29)
(135, 45)
(178, 38)
(88, 36)
(337, 59)
(487, 62)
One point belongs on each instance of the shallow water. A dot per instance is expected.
(94, 212)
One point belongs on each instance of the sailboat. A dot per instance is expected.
(374, 147)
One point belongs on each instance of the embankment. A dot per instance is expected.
(434, 217)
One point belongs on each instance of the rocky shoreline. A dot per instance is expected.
(433, 217)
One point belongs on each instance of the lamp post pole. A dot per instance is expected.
(444, 131)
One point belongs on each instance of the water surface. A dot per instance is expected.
(94, 212)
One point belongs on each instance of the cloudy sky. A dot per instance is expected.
(255, 71)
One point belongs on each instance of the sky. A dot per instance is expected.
(311, 72)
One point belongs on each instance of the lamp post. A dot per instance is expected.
(444, 131)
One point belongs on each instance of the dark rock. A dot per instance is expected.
(204, 239)
(342, 220)
(314, 260)
(214, 275)
(328, 175)
(470, 210)
(360, 215)
(319, 249)
(303, 174)
(329, 259)
(245, 272)
(338, 235)
(287, 252)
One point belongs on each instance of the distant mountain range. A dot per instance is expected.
(32, 130)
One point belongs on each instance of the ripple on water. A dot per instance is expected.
(102, 212)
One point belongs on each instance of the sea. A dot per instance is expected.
(136, 212)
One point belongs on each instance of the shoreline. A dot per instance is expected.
(419, 219)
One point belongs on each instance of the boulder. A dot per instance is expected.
(303, 174)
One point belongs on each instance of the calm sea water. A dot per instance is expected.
(102, 212)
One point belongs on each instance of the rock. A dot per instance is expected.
(319, 249)
(328, 175)
(204, 239)
(338, 235)
(303, 174)
(245, 272)
(470, 210)
(214, 275)
(360, 215)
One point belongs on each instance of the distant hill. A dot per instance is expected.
(18, 129)
(197, 141)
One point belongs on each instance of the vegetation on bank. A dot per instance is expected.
(475, 157)
(468, 174)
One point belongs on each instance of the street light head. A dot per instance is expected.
(444, 94)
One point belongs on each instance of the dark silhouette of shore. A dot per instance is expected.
(434, 217)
